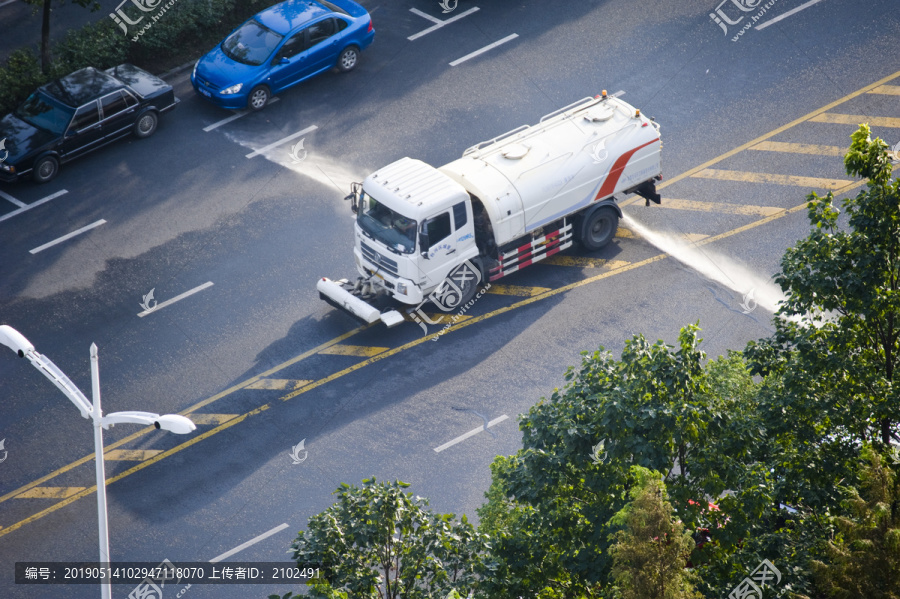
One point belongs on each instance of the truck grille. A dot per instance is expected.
(382, 262)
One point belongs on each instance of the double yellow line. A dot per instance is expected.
(616, 269)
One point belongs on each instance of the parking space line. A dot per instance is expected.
(815, 149)
(361, 351)
(483, 50)
(438, 318)
(211, 418)
(438, 22)
(581, 262)
(252, 541)
(787, 14)
(33, 205)
(67, 236)
(131, 455)
(49, 492)
(278, 384)
(425, 16)
(696, 206)
(237, 114)
(6, 196)
(750, 177)
(855, 119)
(176, 299)
(471, 433)
(517, 290)
(890, 90)
(281, 141)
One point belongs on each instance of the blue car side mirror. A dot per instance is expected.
(284, 61)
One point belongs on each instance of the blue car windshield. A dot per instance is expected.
(45, 112)
(251, 44)
(390, 228)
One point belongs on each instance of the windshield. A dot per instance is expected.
(251, 44)
(390, 228)
(42, 111)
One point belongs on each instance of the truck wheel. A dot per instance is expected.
(468, 287)
(45, 169)
(599, 228)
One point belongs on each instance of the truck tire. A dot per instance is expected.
(598, 228)
(468, 289)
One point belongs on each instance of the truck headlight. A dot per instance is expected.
(233, 89)
(401, 287)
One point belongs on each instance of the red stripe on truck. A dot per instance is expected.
(613, 178)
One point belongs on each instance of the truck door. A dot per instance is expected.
(442, 250)
(451, 242)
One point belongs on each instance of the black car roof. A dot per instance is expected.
(82, 86)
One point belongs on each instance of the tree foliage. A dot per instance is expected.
(863, 560)
(701, 427)
(650, 553)
(377, 541)
(837, 340)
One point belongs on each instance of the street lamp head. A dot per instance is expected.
(174, 423)
(15, 340)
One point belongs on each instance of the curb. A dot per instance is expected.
(179, 69)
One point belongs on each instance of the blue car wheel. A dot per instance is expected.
(348, 59)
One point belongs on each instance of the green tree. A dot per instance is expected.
(657, 407)
(864, 559)
(46, 7)
(650, 553)
(377, 541)
(837, 340)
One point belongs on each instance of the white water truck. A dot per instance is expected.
(507, 203)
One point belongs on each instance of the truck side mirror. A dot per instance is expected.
(424, 244)
(354, 197)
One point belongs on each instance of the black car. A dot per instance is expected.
(75, 114)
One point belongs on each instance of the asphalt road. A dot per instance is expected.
(261, 363)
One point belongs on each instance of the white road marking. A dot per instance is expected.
(787, 14)
(252, 541)
(281, 141)
(425, 16)
(438, 22)
(237, 114)
(67, 236)
(12, 199)
(471, 433)
(33, 205)
(175, 299)
(2, 4)
(485, 49)
(618, 94)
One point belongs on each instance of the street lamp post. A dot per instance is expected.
(175, 423)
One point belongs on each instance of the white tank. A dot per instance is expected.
(576, 156)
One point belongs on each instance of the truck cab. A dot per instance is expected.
(413, 225)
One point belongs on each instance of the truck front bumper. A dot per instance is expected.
(335, 294)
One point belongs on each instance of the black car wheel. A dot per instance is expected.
(145, 126)
(258, 98)
(45, 169)
(348, 59)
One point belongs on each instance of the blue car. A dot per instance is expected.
(280, 47)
